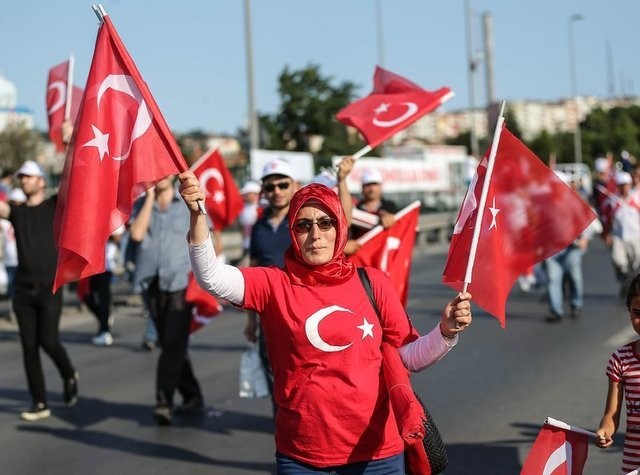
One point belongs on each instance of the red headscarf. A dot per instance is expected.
(338, 269)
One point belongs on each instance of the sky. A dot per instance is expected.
(192, 53)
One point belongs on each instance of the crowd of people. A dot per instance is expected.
(294, 271)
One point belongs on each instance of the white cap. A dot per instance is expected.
(16, 194)
(623, 178)
(30, 168)
(601, 164)
(564, 176)
(250, 187)
(371, 175)
(277, 167)
(325, 178)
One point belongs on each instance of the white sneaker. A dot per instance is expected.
(36, 412)
(102, 339)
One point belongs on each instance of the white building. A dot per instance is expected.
(10, 111)
(532, 117)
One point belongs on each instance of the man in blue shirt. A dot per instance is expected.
(161, 275)
(270, 238)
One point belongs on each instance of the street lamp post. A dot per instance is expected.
(251, 107)
(577, 139)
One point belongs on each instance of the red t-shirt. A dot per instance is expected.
(324, 347)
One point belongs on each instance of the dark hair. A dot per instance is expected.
(633, 290)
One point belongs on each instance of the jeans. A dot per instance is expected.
(388, 466)
(173, 318)
(38, 314)
(569, 262)
(99, 299)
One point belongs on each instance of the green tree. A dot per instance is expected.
(309, 102)
(17, 144)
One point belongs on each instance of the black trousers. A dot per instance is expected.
(38, 314)
(99, 299)
(172, 316)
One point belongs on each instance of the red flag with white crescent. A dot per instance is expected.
(120, 147)
(390, 249)
(557, 451)
(530, 215)
(204, 305)
(223, 199)
(393, 105)
(56, 100)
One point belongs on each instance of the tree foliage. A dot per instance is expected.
(309, 102)
(17, 144)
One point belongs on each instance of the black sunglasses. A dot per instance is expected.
(303, 226)
(272, 186)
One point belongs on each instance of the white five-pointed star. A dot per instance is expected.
(367, 329)
(218, 197)
(381, 108)
(494, 213)
(99, 141)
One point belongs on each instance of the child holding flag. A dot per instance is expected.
(623, 371)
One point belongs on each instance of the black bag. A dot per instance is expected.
(434, 449)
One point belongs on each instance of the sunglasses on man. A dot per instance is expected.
(283, 185)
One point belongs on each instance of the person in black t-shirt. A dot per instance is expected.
(37, 309)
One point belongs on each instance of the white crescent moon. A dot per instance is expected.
(469, 203)
(311, 329)
(207, 175)
(559, 456)
(126, 84)
(412, 108)
(61, 87)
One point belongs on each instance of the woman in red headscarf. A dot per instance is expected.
(324, 337)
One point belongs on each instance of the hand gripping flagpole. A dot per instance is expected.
(483, 199)
(101, 13)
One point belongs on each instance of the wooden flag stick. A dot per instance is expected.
(67, 105)
(483, 199)
(363, 151)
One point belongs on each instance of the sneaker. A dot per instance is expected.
(70, 394)
(553, 318)
(149, 345)
(162, 415)
(36, 412)
(193, 405)
(102, 339)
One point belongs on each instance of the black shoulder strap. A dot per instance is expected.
(366, 283)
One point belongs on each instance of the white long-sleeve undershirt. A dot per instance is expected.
(227, 282)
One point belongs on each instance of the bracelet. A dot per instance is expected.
(447, 335)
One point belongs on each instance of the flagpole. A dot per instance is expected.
(101, 13)
(563, 425)
(483, 198)
(67, 106)
(363, 151)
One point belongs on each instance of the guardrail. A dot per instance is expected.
(434, 232)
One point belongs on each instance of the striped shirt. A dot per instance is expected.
(624, 367)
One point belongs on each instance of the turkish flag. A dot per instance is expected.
(56, 100)
(394, 104)
(530, 214)
(557, 451)
(121, 146)
(205, 305)
(223, 199)
(390, 250)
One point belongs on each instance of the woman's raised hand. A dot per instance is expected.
(190, 190)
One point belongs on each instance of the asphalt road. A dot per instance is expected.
(489, 396)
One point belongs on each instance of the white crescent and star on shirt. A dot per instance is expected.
(313, 334)
(125, 84)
